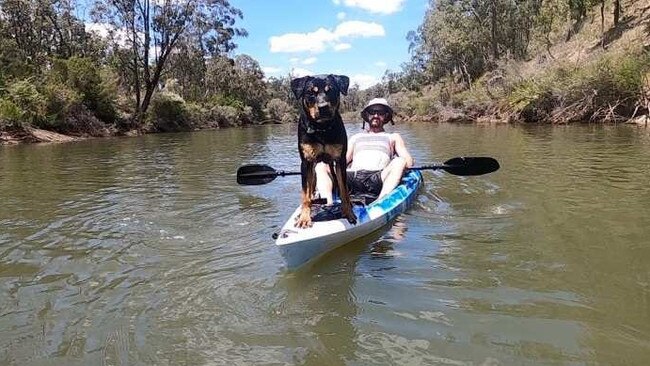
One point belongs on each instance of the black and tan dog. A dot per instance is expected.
(321, 138)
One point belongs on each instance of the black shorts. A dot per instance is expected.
(364, 182)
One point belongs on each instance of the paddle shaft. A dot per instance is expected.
(256, 174)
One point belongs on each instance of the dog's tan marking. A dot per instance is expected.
(313, 111)
(304, 218)
(315, 89)
(311, 151)
(327, 88)
(335, 151)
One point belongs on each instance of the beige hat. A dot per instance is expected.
(377, 101)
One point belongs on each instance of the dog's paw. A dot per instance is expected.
(352, 218)
(303, 220)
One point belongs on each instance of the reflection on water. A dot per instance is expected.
(145, 251)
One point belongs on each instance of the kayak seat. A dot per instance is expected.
(363, 199)
(321, 212)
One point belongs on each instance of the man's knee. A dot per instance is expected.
(322, 169)
(399, 162)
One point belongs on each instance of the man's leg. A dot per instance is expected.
(392, 175)
(324, 182)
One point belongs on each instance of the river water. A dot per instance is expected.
(144, 251)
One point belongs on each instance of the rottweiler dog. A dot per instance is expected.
(321, 138)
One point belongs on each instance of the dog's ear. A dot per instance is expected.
(298, 86)
(343, 82)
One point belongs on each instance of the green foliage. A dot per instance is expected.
(25, 95)
(61, 102)
(279, 110)
(623, 76)
(526, 94)
(228, 100)
(226, 116)
(98, 94)
(10, 113)
(237, 83)
(168, 113)
(205, 27)
(424, 105)
(13, 62)
(606, 89)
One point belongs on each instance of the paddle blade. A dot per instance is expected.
(466, 166)
(255, 174)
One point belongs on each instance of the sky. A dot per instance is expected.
(358, 38)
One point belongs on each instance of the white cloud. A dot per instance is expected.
(321, 39)
(294, 60)
(375, 6)
(340, 15)
(380, 64)
(314, 42)
(336, 2)
(297, 72)
(271, 70)
(363, 80)
(356, 28)
(342, 46)
(309, 60)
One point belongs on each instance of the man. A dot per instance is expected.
(376, 159)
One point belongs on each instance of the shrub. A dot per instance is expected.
(279, 110)
(227, 100)
(94, 84)
(168, 113)
(60, 101)
(532, 101)
(10, 114)
(25, 96)
(224, 115)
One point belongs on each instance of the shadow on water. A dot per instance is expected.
(324, 292)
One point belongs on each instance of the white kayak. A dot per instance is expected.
(299, 246)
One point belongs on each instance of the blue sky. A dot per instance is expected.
(357, 38)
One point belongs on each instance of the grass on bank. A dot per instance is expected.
(574, 81)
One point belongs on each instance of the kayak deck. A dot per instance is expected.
(299, 246)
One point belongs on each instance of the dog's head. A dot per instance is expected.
(320, 95)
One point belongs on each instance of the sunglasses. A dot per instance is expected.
(379, 112)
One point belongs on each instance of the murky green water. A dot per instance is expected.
(144, 251)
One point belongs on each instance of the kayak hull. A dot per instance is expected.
(299, 246)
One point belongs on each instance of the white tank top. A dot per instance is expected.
(372, 151)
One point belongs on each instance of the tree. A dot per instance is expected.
(151, 31)
(43, 29)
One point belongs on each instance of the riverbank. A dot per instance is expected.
(592, 72)
(601, 74)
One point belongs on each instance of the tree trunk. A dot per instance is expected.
(495, 46)
(617, 12)
(602, 23)
(136, 69)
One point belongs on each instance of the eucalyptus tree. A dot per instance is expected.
(43, 29)
(237, 82)
(280, 88)
(453, 41)
(151, 30)
(187, 67)
(250, 85)
(551, 17)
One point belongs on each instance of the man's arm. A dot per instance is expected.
(350, 153)
(401, 151)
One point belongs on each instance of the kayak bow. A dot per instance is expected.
(299, 246)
